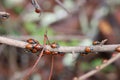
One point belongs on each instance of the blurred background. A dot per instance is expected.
(89, 20)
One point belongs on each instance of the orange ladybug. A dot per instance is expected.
(38, 47)
(29, 46)
(54, 45)
(34, 50)
(47, 52)
(37, 10)
(118, 49)
(96, 43)
(88, 49)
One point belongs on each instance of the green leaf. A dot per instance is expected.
(96, 62)
(85, 66)
(30, 27)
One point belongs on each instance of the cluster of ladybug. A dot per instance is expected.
(90, 49)
(34, 47)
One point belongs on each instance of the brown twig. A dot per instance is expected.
(61, 5)
(51, 70)
(85, 76)
(36, 63)
(67, 49)
(34, 66)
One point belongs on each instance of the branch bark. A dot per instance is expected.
(85, 76)
(66, 49)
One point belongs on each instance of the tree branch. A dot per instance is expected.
(85, 76)
(67, 49)
(60, 4)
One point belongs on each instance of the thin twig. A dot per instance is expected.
(85, 76)
(66, 49)
(36, 63)
(61, 5)
(34, 66)
(51, 70)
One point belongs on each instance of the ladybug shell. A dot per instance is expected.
(29, 46)
(47, 52)
(118, 49)
(96, 42)
(54, 45)
(38, 47)
(34, 51)
(37, 10)
(87, 49)
(31, 41)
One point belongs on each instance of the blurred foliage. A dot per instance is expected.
(31, 26)
(18, 9)
(69, 43)
(34, 30)
(2, 30)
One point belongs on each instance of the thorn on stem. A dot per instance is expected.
(105, 61)
(114, 54)
(100, 43)
(61, 5)
(97, 67)
(103, 42)
(75, 78)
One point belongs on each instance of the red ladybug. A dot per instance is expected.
(54, 45)
(47, 52)
(38, 47)
(37, 10)
(118, 49)
(88, 49)
(34, 50)
(96, 43)
(29, 46)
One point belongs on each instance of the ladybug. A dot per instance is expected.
(88, 49)
(54, 53)
(54, 45)
(118, 49)
(38, 47)
(96, 43)
(32, 41)
(36, 6)
(37, 10)
(47, 52)
(29, 46)
(34, 50)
